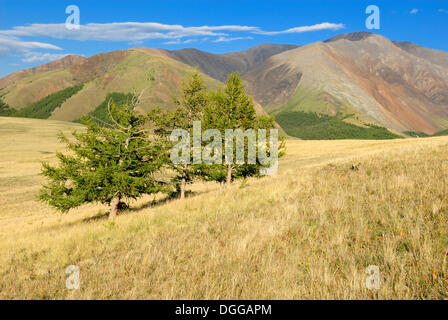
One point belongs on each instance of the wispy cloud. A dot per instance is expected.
(224, 39)
(133, 33)
(13, 45)
(136, 31)
(179, 41)
(31, 57)
(315, 27)
(123, 31)
(443, 11)
(414, 11)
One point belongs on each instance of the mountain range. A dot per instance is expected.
(361, 80)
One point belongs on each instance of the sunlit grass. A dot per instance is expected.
(307, 233)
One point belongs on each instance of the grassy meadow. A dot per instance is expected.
(309, 232)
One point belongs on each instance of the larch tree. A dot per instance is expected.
(190, 108)
(232, 109)
(107, 164)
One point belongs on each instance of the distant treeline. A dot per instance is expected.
(425, 135)
(43, 108)
(5, 110)
(101, 113)
(125, 153)
(313, 126)
(303, 125)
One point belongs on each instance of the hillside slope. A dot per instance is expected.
(158, 73)
(63, 63)
(358, 79)
(219, 66)
(160, 77)
(399, 86)
(309, 232)
(122, 71)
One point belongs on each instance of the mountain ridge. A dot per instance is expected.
(219, 66)
(62, 63)
(361, 73)
(365, 76)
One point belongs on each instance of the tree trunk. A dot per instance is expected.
(114, 205)
(183, 184)
(229, 175)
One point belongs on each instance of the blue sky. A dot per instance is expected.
(34, 32)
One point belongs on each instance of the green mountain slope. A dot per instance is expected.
(400, 87)
(128, 72)
(313, 126)
(43, 108)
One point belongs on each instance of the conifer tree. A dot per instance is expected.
(106, 164)
(232, 108)
(190, 107)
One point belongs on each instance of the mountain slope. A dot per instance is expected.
(122, 71)
(32, 85)
(437, 57)
(308, 232)
(54, 65)
(367, 75)
(362, 79)
(158, 76)
(219, 66)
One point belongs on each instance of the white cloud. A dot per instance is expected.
(31, 57)
(13, 45)
(224, 39)
(173, 42)
(315, 27)
(123, 31)
(414, 11)
(24, 49)
(136, 31)
(179, 41)
(443, 11)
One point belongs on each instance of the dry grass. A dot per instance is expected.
(307, 233)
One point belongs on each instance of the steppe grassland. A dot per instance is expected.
(334, 208)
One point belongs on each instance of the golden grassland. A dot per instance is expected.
(334, 208)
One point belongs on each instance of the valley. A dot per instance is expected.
(362, 182)
(309, 232)
(361, 79)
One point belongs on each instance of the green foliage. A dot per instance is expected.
(190, 108)
(232, 108)
(152, 74)
(416, 134)
(312, 126)
(192, 102)
(5, 110)
(43, 108)
(122, 152)
(101, 114)
(229, 108)
(104, 163)
(441, 133)
(424, 135)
